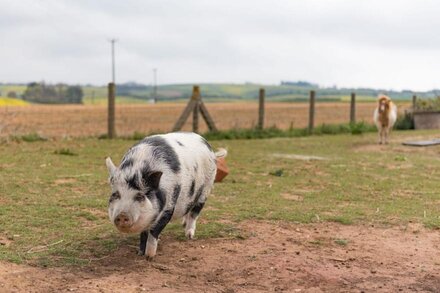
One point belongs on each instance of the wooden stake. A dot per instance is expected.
(353, 108)
(207, 117)
(195, 121)
(189, 108)
(312, 111)
(111, 110)
(195, 105)
(261, 109)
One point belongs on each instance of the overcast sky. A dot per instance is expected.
(391, 44)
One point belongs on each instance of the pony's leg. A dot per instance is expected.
(387, 132)
(380, 135)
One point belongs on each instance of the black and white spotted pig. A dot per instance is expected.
(162, 177)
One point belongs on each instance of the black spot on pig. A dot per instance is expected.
(199, 193)
(150, 179)
(114, 196)
(207, 144)
(196, 200)
(139, 197)
(191, 190)
(163, 151)
(176, 193)
(161, 223)
(160, 196)
(179, 143)
(126, 163)
(133, 182)
(195, 211)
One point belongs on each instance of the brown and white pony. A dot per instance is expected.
(385, 116)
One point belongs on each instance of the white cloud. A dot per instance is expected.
(388, 44)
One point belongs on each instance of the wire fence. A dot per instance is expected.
(91, 120)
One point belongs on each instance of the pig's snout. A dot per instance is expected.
(123, 221)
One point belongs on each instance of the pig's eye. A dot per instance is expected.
(139, 197)
(114, 196)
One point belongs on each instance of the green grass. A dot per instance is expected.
(272, 132)
(65, 152)
(31, 137)
(53, 208)
(341, 242)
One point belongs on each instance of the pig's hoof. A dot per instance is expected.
(190, 233)
(141, 253)
(150, 258)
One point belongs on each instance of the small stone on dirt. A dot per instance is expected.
(160, 267)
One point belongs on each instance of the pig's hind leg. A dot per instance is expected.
(191, 218)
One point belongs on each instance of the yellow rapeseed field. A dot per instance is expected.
(12, 102)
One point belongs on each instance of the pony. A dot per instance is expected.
(385, 115)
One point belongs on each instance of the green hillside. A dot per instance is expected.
(284, 92)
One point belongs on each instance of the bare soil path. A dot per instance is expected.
(275, 257)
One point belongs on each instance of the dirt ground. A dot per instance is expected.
(275, 257)
(91, 120)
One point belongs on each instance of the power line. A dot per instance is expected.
(113, 41)
(154, 85)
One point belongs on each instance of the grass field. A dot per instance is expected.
(54, 193)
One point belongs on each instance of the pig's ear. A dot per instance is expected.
(152, 179)
(110, 166)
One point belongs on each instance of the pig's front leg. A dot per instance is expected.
(143, 243)
(154, 233)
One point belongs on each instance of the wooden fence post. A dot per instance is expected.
(261, 109)
(311, 111)
(196, 98)
(111, 110)
(208, 119)
(353, 108)
(195, 105)
(414, 102)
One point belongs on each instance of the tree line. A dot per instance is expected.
(53, 94)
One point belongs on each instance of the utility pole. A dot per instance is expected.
(154, 85)
(113, 41)
(112, 96)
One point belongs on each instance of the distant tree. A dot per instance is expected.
(74, 94)
(299, 83)
(52, 94)
(12, 94)
(33, 92)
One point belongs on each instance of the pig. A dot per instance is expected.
(163, 177)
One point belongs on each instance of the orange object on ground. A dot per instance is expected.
(222, 170)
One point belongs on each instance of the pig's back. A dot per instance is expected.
(197, 169)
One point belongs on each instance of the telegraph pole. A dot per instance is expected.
(154, 85)
(113, 41)
(112, 96)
